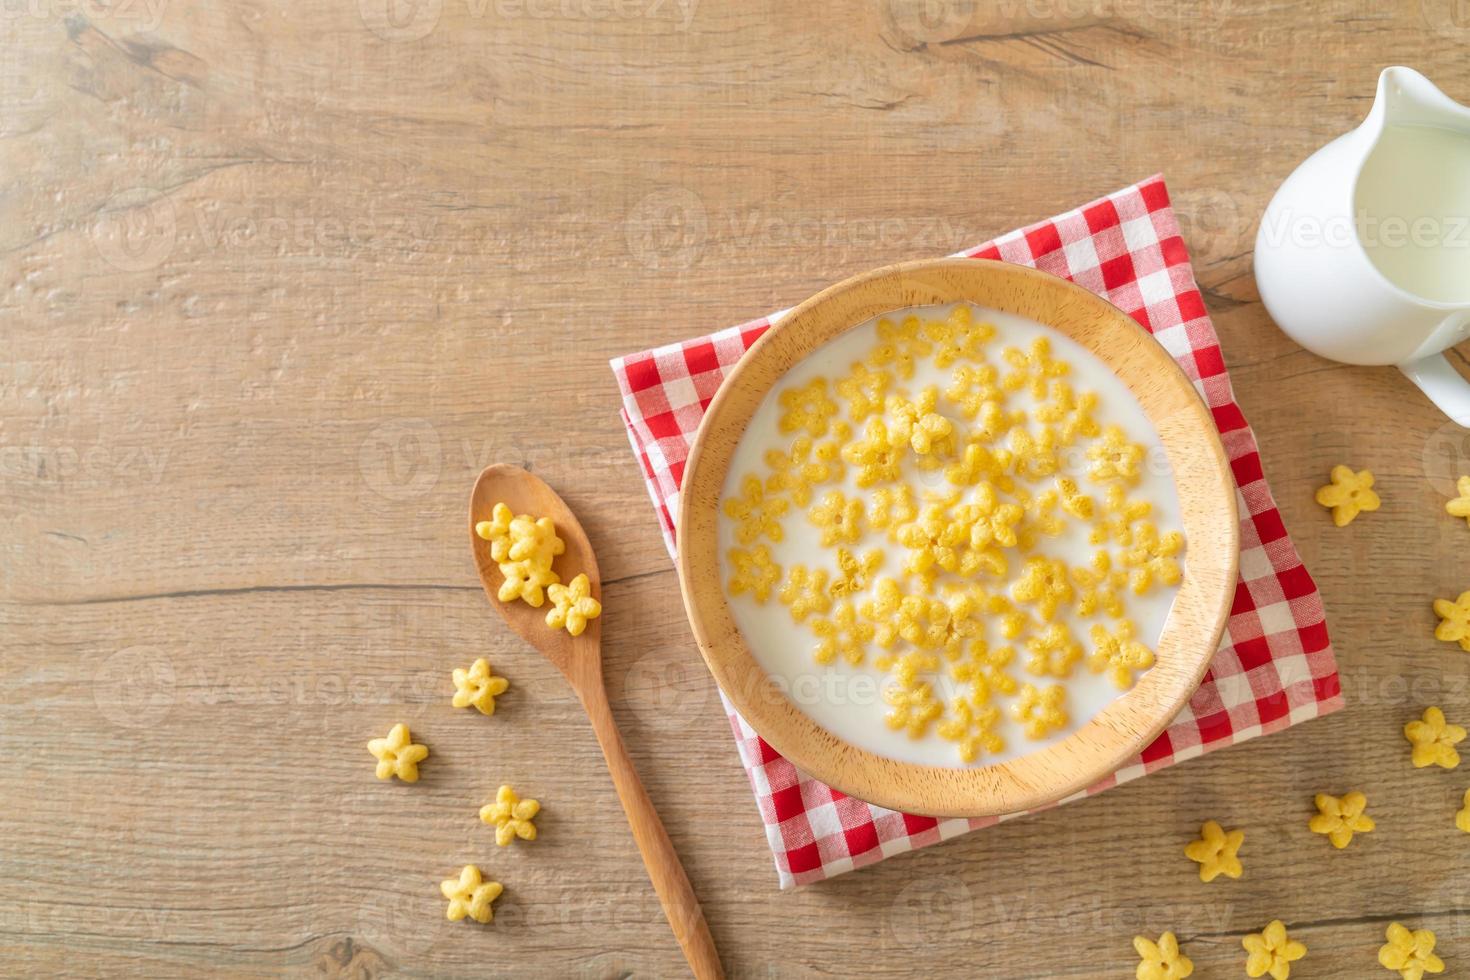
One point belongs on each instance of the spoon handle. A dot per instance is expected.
(674, 891)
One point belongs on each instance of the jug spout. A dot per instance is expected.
(1407, 98)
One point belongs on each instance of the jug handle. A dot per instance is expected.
(1438, 379)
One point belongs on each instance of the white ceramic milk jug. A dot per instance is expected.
(1363, 255)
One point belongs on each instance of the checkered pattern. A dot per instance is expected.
(1275, 665)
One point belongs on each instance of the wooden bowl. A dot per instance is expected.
(1206, 493)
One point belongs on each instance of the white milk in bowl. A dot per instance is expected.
(949, 535)
(1412, 208)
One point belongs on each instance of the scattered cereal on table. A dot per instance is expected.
(478, 687)
(572, 606)
(511, 816)
(1434, 740)
(397, 755)
(1454, 624)
(1460, 506)
(470, 895)
(1462, 815)
(1216, 852)
(1348, 495)
(1162, 960)
(1410, 953)
(1272, 951)
(1341, 817)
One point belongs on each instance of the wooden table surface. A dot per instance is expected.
(280, 278)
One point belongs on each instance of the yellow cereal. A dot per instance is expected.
(874, 456)
(1013, 622)
(1119, 516)
(960, 622)
(964, 339)
(882, 611)
(573, 606)
(1072, 414)
(1041, 517)
(1271, 951)
(1216, 852)
(1460, 506)
(990, 521)
(839, 518)
(1115, 458)
(805, 592)
(1033, 369)
(984, 670)
(1041, 711)
(1074, 501)
(511, 816)
(1411, 953)
(470, 895)
(1044, 584)
(1153, 558)
(979, 465)
(523, 548)
(844, 633)
(807, 408)
(1119, 653)
(1098, 587)
(914, 709)
(1454, 624)
(753, 572)
(1161, 960)
(933, 541)
(904, 668)
(891, 508)
(1462, 815)
(791, 472)
(865, 390)
(757, 512)
(397, 755)
(1348, 495)
(1036, 456)
(917, 424)
(1053, 652)
(1434, 740)
(478, 687)
(899, 345)
(853, 572)
(1341, 817)
(971, 726)
(972, 387)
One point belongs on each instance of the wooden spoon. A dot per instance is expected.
(579, 658)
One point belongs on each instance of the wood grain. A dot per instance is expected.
(280, 279)
(1207, 511)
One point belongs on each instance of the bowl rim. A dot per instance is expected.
(1192, 630)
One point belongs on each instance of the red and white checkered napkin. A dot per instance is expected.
(1274, 667)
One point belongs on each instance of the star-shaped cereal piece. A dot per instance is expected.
(843, 632)
(470, 895)
(1119, 653)
(1462, 815)
(1114, 458)
(573, 606)
(1033, 369)
(753, 571)
(1272, 951)
(1161, 960)
(972, 727)
(1348, 495)
(1041, 712)
(1341, 817)
(478, 687)
(511, 816)
(854, 572)
(805, 592)
(1053, 652)
(1153, 558)
(839, 518)
(757, 511)
(865, 390)
(899, 344)
(1044, 584)
(1215, 852)
(919, 425)
(397, 755)
(1454, 624)
(1434, 740)
(1410, 953)
(807, 408)
(497, 531)
(1460, 506)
